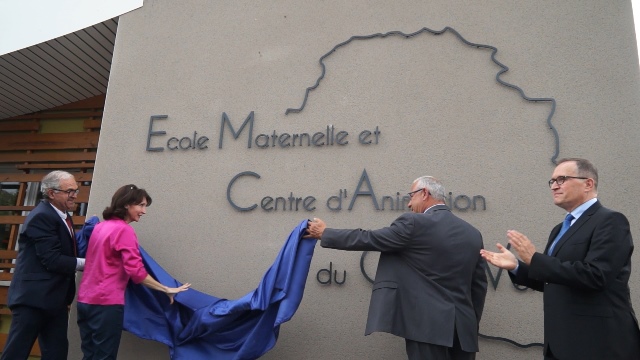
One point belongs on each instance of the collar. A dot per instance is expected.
(577, 212)
(62, 215)
(432, 206)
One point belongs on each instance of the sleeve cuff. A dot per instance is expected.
(80, 264)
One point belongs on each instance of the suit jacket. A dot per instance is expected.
(587, 304)
(44, 276)
(430, 278)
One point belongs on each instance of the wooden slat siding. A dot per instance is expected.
(91, 107)
(6, 264)
(16, 208)
(73, 151)
(83, 195)
(22, 178)
(78, 140)
(19, 220)
(81, 198)
(14, 229)
(92, 124)
(57, 115)
(91, 104)
(33, 125)
(12, 219)
(4, 292)
(55, 166)
(10, 158)
(6, 259)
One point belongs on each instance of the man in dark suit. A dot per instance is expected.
(43, 285)
(431, 283)
(583, 271)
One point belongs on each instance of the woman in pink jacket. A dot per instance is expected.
(112, 259)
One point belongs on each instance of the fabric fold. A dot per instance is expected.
(202, 326)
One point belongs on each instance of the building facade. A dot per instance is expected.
(243, 118)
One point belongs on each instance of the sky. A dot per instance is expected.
(55, 18)
(21, 26)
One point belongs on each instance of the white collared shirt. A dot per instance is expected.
(63, 216)
(577, 212)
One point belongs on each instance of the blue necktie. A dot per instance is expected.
(565, 226)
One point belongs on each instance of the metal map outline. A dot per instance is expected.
(494, 50)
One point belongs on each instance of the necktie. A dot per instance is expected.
(73, 234)
(565, 226)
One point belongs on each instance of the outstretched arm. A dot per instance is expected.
(151, 283)
(503, 259)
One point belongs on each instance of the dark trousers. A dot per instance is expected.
(422, 351)
(28, 324)
(100, 330)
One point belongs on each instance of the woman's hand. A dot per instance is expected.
(171, 292)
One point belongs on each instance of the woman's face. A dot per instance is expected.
(135, 211)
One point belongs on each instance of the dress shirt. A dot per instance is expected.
(63, 216)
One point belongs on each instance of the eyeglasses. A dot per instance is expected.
(68, 192)
(414, 192)
(561, 179)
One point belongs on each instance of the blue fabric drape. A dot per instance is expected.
(201, 326)
(82, 236)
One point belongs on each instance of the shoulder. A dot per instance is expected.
(43, 208)
(120, 233)
(600, 217)
(115, 225)
(444, 215)
(598, 209)
(435, 214)
(408, 218)
(43, 212)
(440, 213)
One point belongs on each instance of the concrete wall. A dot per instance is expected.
(435, 102)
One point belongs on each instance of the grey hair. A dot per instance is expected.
(433, 185)
(52, 181)
(585, 168)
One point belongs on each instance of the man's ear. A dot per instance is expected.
(590, 184)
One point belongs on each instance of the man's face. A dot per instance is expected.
(60, 198)
(573, 192)
(418, 198)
